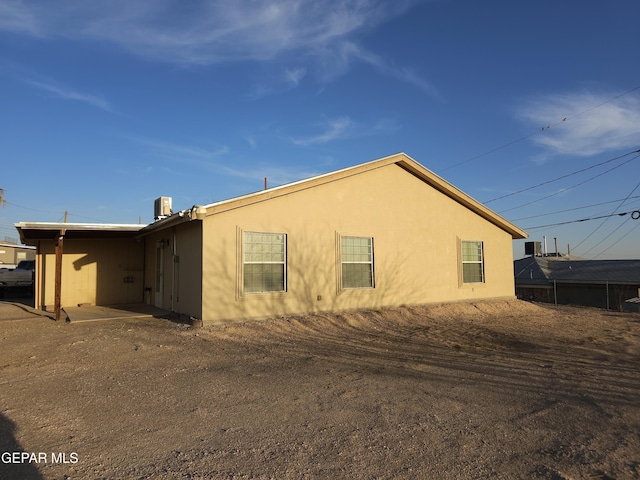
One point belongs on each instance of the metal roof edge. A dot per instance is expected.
(78, 226)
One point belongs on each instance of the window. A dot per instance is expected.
(472, 262)
(264, 262)
(356, 256)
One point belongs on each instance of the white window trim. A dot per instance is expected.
(463, 262)
(243, 262)
(341, 287)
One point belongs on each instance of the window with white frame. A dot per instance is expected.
(264, 262)
(472, 255)
(356, 257)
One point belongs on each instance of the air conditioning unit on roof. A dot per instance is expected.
(162, 208)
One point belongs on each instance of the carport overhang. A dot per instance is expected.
(32, 233)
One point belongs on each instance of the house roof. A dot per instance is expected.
(30, 232)
(401, 159)
(546, 270)
(13, 245)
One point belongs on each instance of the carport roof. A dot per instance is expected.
(30, 232)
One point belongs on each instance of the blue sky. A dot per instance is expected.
(107, 105)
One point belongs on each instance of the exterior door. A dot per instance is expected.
(159, 276)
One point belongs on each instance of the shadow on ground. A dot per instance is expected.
(11, 452)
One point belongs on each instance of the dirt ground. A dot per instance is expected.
(503, 389)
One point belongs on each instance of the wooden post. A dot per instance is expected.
(58, 277)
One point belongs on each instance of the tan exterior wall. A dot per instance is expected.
(178, 250)
(416, 232)
(96, 271)
(12, 255)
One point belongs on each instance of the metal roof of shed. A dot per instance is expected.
(545, 270)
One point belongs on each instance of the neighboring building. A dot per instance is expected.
(594, 283)
(11, 254)
(384, 233)
(632, 304)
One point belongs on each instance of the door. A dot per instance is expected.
(159, 276)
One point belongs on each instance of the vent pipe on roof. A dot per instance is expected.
(555, 240)
(265, 183)
(545, 245)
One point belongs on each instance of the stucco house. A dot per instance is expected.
(384, 233)
(11, 254)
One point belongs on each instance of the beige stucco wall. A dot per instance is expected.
(95, 271)
(415, 228)
(181, 251)
(12, 255)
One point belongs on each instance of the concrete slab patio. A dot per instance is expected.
(95, 313)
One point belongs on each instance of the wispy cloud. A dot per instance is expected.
(325, 32)
(194, 156)
(285, 81)
(275, 175)
(68, 94)
(351, 51)
(16, 17)
(332, 130)
(342, 128)
(294, 76)
(583, 124)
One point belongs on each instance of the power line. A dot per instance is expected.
(605, 220)
(635, 215)
(617, 241)
(610, 234)
(561, 177)
(513, 142)
(572, 187)
(572, 209)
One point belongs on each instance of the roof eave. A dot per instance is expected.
(401, 159)
(46, 230)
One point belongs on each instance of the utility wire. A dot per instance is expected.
(617, 241)
(569, 117)
(610, 234)
(572, 209)
(635, 215)
(572, 187)
(563, 176)
(605, 220)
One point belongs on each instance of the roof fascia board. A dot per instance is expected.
(261, 196)
(170, 221)
(458, 195)
(401, 159)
